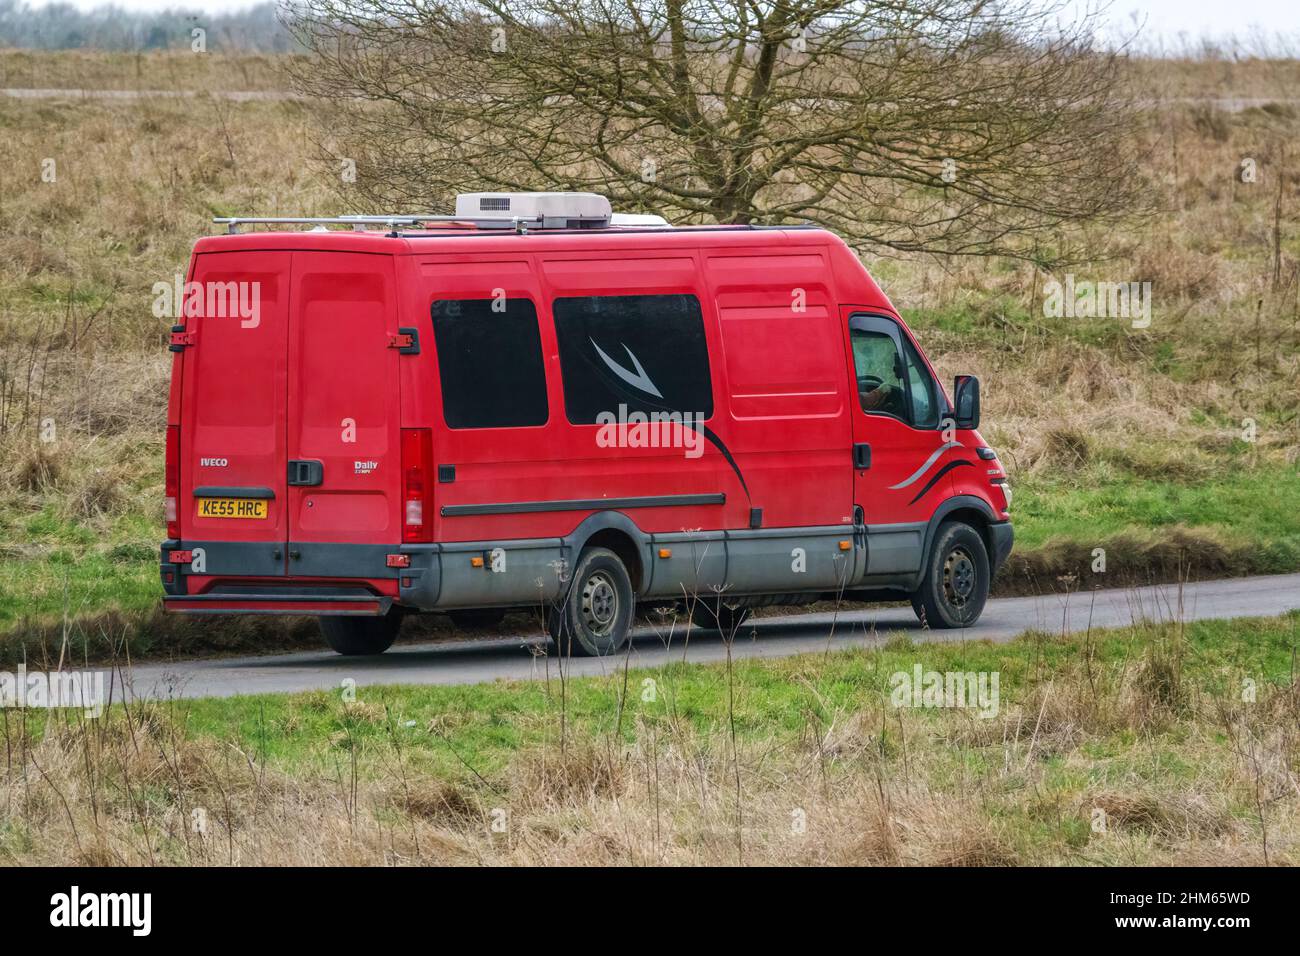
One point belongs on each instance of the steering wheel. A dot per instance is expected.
(869, 383)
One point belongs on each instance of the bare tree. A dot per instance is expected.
(948, 126)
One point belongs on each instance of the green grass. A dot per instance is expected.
(77, 566)
(1260, 506)
(85, 584)
(485, 725)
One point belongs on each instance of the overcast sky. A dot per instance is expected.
(1166, 19)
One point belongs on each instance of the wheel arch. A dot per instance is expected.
(967, 509)
(619, 533)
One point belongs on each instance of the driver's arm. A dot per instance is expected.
(876, 398)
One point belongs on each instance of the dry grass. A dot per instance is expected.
(157, 70)
(1120, 748)
(128, 796)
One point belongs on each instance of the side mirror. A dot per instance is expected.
(966, 398)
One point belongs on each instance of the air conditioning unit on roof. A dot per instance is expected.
(554, 210)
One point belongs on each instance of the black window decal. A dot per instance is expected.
(644, 353)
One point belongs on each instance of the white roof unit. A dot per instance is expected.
(555, 210)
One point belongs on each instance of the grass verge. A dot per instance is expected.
(1150, 745)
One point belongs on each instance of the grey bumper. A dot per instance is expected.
(1002, 537)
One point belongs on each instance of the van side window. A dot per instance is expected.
(924, 410)
(893, 384)
(645, 352)
(490, 363)
(881, 378)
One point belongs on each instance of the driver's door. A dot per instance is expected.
(900, 455)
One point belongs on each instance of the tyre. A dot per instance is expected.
(359, 636)
(477, 617)
(714, 613)
(595, 616)
(956, 582)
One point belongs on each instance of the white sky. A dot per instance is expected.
(208, 6)
(1166, 19)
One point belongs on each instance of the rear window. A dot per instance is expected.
(490, 363)
(645, 352)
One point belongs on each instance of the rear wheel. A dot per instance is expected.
(477, 617)
(956, 582)
(596, 614)
(360, 636)
(714, 613)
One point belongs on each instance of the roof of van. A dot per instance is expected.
(416, 242)
(856, 285)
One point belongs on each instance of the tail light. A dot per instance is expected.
(417, 485)
(172, 481)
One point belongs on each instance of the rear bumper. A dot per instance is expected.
(350, 605)
(1003, 538)
(263, 596)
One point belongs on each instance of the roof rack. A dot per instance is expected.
(519, 224)
(517, 211)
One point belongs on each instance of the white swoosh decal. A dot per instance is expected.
(928, 462)
(639, 379)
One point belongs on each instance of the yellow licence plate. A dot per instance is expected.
(233, 507)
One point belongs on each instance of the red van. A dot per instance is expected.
(533, 404)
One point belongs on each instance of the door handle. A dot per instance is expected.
(305, 471)
(861, 455)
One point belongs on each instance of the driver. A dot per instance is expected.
(876, 398)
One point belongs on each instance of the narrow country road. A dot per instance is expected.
(522, 657)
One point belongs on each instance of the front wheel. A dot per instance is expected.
(361, 636)
(595, 616)
(956, 582)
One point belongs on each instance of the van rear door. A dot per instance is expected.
(233, 378)
(344, 441)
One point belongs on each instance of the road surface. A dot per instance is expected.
(522, 657)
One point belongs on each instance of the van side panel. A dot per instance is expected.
(787, 384)
(541, 481)
(764, 505)
(688, 465)
(490, 465)
(485, 553)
